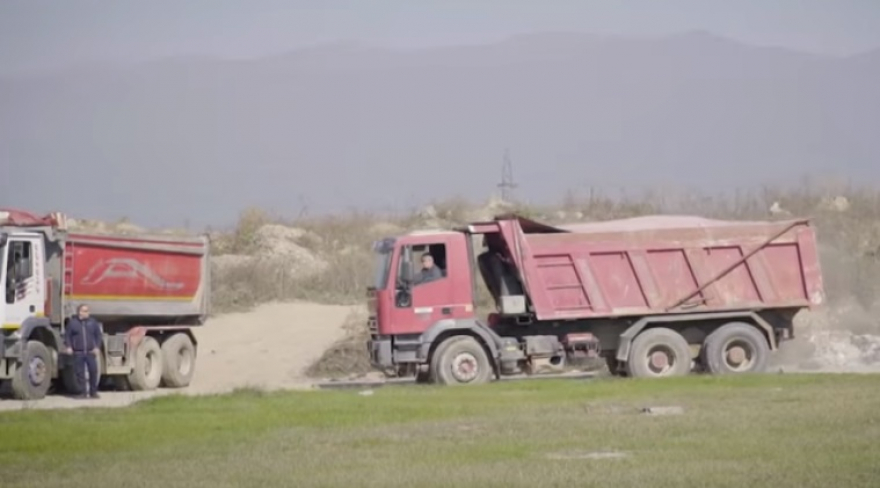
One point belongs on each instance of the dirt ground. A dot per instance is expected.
(268, 348)
(271, 346)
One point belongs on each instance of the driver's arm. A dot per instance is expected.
(418, 278)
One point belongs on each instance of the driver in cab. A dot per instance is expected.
(430, 272)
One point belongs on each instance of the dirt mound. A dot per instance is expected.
(348, 356)
(269, 347)
(271, 265)
(289, 245)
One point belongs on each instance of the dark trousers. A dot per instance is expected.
(81, 361)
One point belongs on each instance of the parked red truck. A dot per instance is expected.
(148, 292)
(655, 296)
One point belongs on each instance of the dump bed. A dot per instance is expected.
(150, 279)
(658, 265)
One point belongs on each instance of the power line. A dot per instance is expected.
(507, 184)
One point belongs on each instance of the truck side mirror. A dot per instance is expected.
(406, 274)
(403, 299)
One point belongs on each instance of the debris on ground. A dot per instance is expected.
(669, 410)
(575, 455)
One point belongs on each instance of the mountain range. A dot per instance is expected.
(343, 126)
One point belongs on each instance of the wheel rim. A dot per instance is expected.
(36, 371)
(184, 361)
(148, 364)
(660, 360)
(738, 355)
(465, 367)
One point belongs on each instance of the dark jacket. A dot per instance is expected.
(83, 335)
(428, 275)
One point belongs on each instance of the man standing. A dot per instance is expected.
(83, 338)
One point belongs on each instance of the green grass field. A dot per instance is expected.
(772, 430)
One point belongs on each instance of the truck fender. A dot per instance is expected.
(633, 330)
(135, 335)
(472, 327)
(40, 328)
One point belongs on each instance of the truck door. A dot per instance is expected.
(24, 285)
(448, 294)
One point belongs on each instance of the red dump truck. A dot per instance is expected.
(147, 291)
(654, 296)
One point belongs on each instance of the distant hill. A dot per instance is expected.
(344, 126)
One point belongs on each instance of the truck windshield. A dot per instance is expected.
(383, 249)
(383, 270)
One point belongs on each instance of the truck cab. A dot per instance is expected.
(25, 329)
(22, 277)
(414, 321)
(406, 302)
(409, 313)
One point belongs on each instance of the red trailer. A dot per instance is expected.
(147, 291)
(654, 296)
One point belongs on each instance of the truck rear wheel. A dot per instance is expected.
(33, 376)
(147, 370)
(659, 352)
(460, 360)
(735, 348)
(179, 360)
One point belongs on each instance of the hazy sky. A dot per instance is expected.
(47, 34)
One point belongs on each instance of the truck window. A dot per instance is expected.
(427, 261)
(18, 267)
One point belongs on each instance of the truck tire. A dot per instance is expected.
(33, 377)
(435, 360)
(179, 361)
(460, 360)
(657, 353)
(146, 372)
(735, 348)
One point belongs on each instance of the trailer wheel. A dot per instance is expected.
(659, 352)
(460, 360)
(33, 376)
(147, 370)
(735, 348)
(179, 359)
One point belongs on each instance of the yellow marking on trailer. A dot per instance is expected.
(128, 298)
(10, 326)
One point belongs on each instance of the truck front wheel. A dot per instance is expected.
(33, 376)
(735, 348)
(179, 359)
(460, 360)
(147, 370)
(659, 352)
